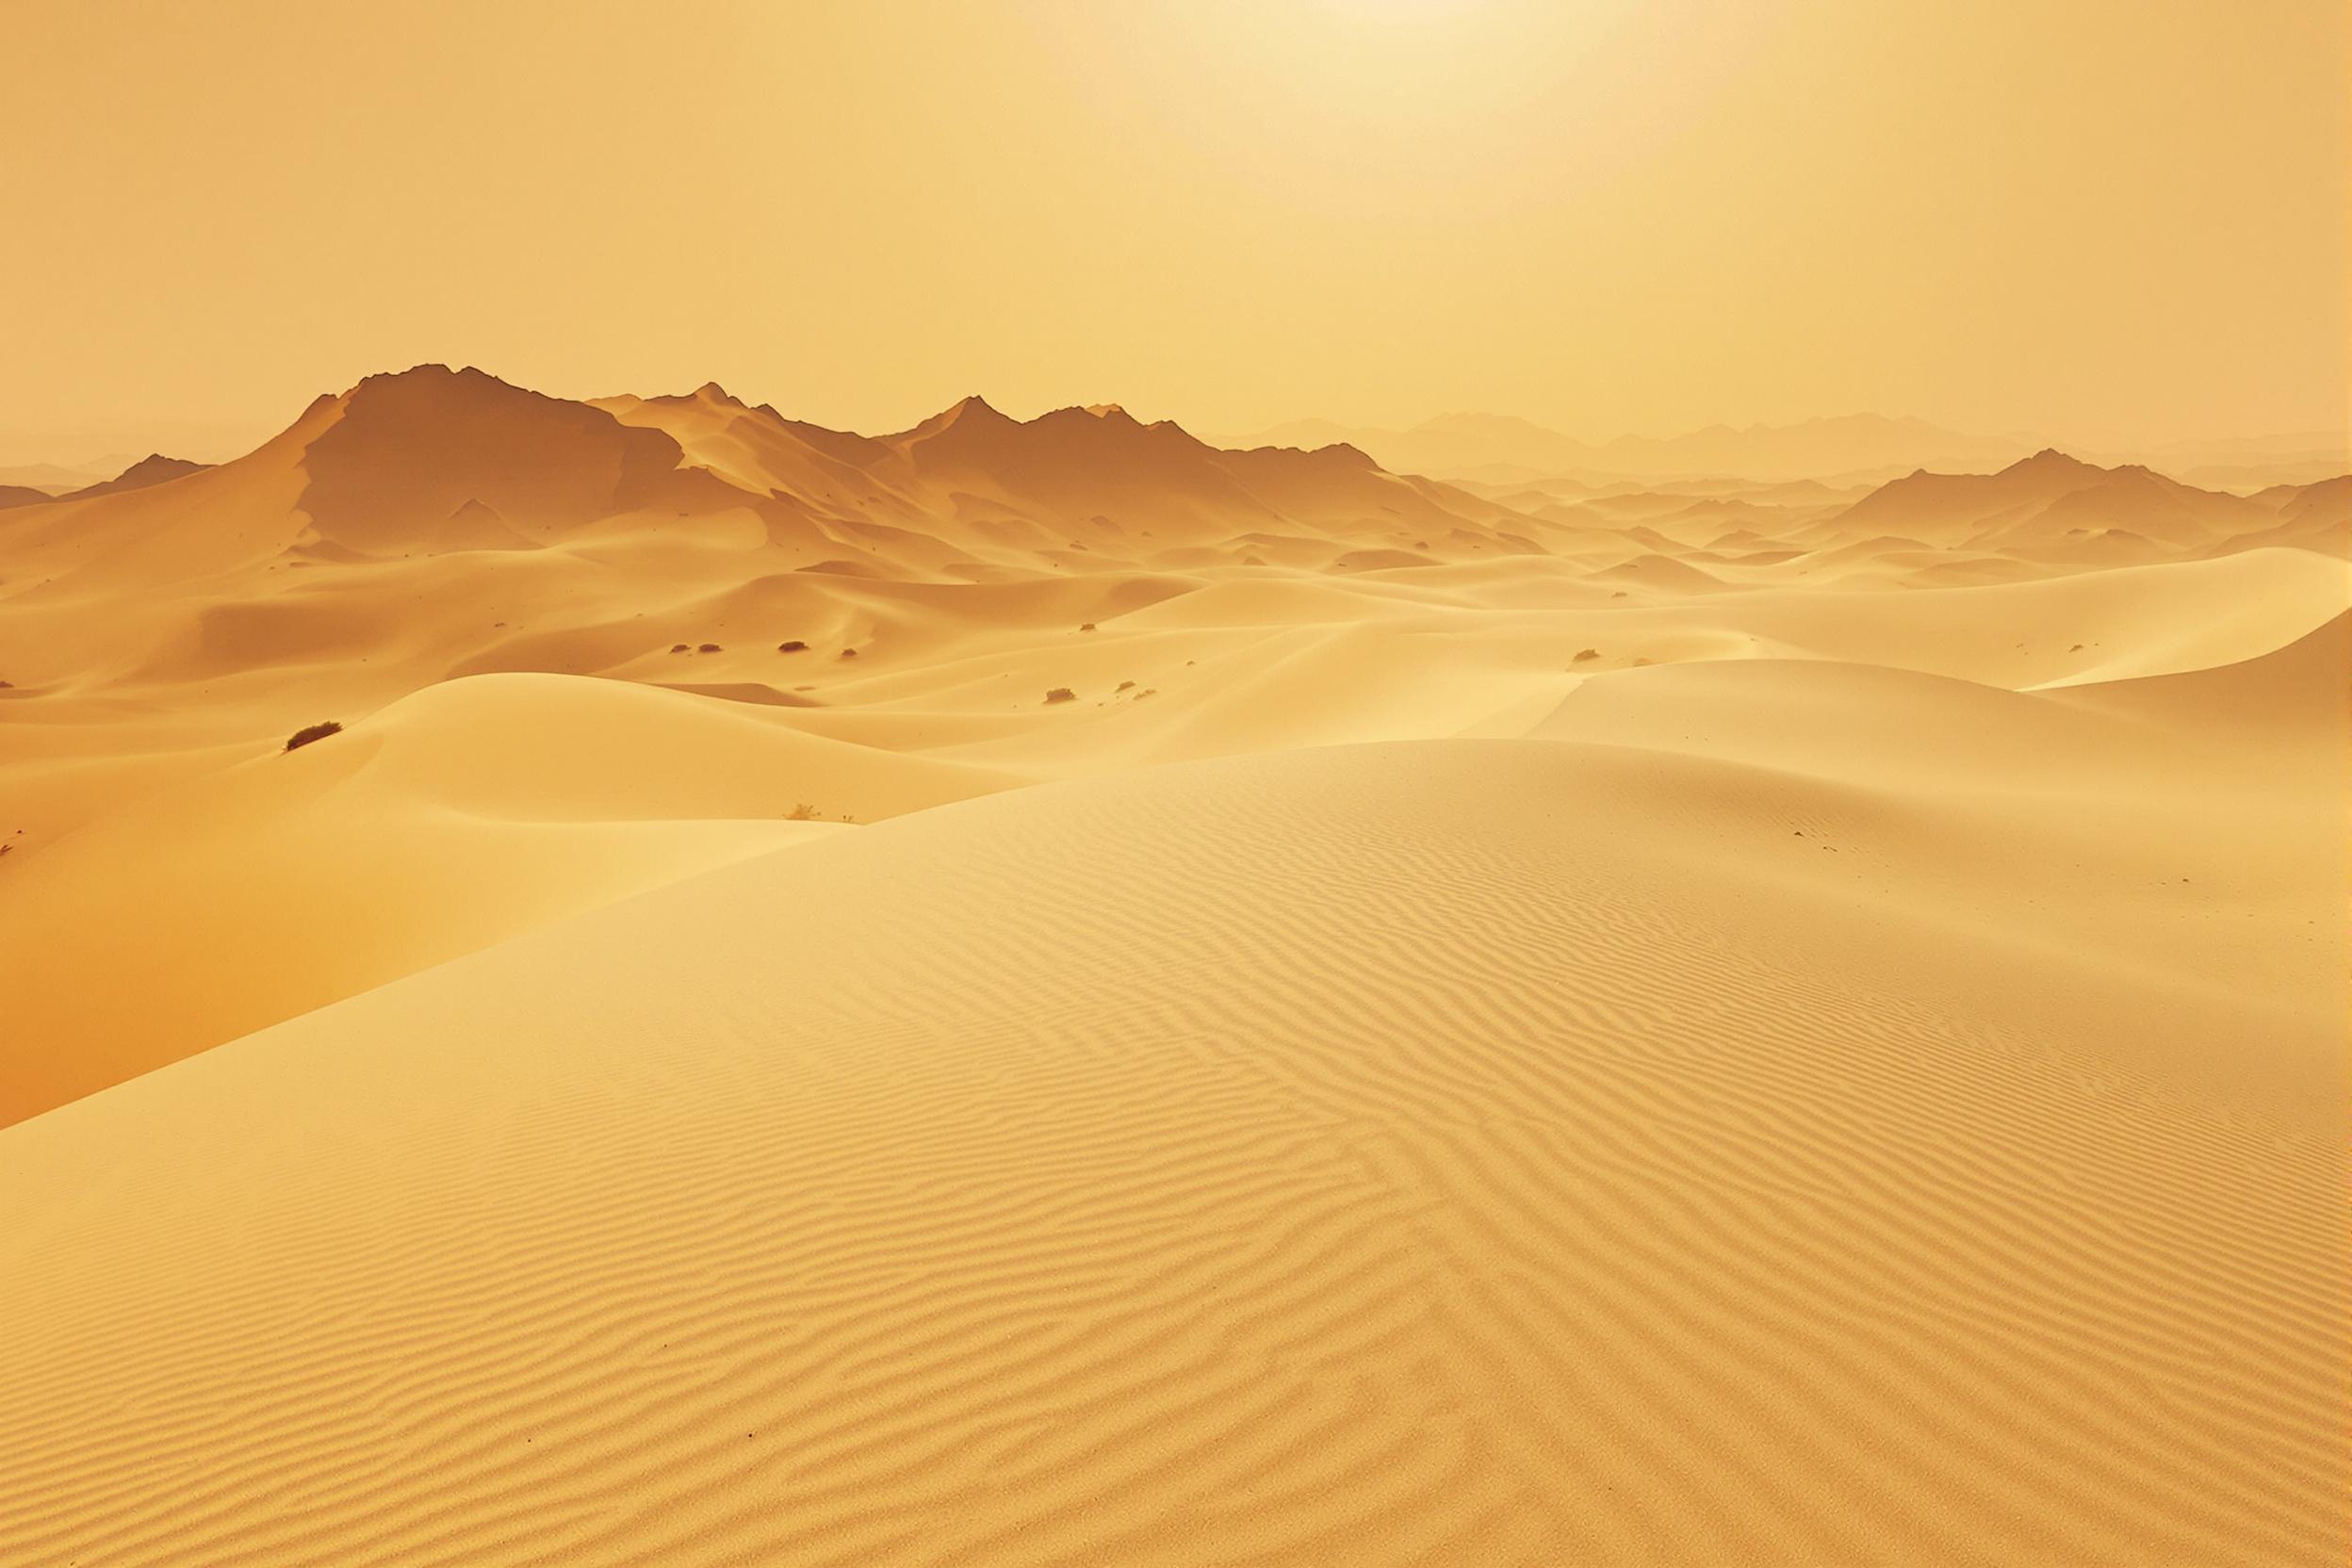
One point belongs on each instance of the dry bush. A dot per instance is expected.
(794, 645)
(1061, 693)
(310, 732)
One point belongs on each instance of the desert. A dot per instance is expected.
(771, 792)
(1450, 989)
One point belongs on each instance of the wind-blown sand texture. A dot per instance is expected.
(1486, 1029)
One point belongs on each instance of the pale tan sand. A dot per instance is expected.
(1779, 1024)
(1507, 1152)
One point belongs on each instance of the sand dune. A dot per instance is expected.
(1591, 1175)
(1040, 991)
(466, 813)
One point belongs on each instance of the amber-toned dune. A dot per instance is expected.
(464, 813)
(1494, 1151)
(1041, 991)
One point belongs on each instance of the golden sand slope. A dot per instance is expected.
(1471, 1152)
(460, 815)
(246, 886)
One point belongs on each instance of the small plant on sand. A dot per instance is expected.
(802, 812)
(310, 732)
(1126, 685)
(709, 647)
(794, 645)
(680, 647)
(1061, 693)
(1588, 655)
(849, 653)
(1089, 626)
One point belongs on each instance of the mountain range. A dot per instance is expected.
(1502, 446)
(434, 460)
(1865, 448)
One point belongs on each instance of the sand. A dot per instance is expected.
(1802, 1033)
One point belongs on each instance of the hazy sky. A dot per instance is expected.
(2071, 216)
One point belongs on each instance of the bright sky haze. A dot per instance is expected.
(2091, 219)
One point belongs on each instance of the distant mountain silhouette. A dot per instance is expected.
(1067, 477)
(435, 459)
(1496, 446)
(2051, 501)
(55, 480)
(408, 453)
(155, 468)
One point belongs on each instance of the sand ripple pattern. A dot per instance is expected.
(1380, 1156)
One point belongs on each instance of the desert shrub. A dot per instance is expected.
(680, 647)
(849, 653)
(1588, 654)
(1061, 693)
(795, 645)
(802, 812)
(1126, 685)
(1089, 626)
(310, 732)
(709, 647)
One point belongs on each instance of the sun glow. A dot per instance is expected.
(1607, 216)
